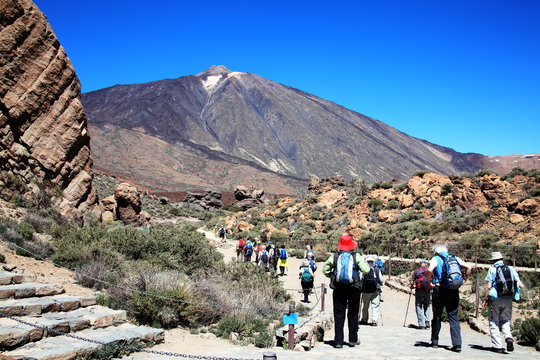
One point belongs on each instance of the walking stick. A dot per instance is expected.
(407, 311)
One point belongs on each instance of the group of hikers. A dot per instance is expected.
(357, 283)
(436, 282)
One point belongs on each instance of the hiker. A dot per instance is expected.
(248, 251)
(422, 293)
(446, 274)
(257, 249)
(264, 259)
(240, 249)
(503, 286)
(313, 265)
(282, 261)
(371, 292)
(273, 257)
(344, 268)
(306, 279)
(309, 253)
(222, 234)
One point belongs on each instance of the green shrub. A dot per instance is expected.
(2, 258)
(484, 172)
(528, 330)
(25, 230)
(514, 172)
(447, 189)
(263, 340)
(421, 173)
(410, 216)
(534, 192)
(393, 204)
(20, 201)
(231, 208)
(375, 204)
(400, 187)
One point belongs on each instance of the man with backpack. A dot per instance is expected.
(282, 260)
(248, 251)
(344, 268)
(422, 294)
(240, 249)
(264, 259)
(306, 279)
(371, 292)
(503, 286)
(222, 234)
(446, 274)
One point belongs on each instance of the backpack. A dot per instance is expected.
(282, 254)
(264, 256)
(345, 269)
(249, 250)
(310, 254)
(505, 283)
(306, 275)
(371, 279)
(380, 265)
(421, 280)
(313, 265)
(451, 277)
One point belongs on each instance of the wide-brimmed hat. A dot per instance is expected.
(496, 255)
(346, 243)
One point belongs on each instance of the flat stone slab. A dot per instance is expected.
(13, 333)
(39, 305)
(27, 290)
(63, 347)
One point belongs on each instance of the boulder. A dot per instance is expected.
(128, 205)
(527, 207)
(247, 198)
(208, 200)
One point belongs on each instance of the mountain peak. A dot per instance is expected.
(215, 70)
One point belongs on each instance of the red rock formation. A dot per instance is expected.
(43, 129)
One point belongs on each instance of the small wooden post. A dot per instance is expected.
(477, 290)
(290, 335)
(269, 355)
(323, 293)
(514, 255)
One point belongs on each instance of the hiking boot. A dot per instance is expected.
(456, 349)
(509, 344)
(354, 343)
(434, 344)
(421, 327)
(362, 322)
(338, 346)
(427, 326)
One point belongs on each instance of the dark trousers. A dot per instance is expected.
(449, 300)
(346, 297)
(306, 289)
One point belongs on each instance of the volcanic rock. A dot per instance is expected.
(43, 128)
(128, 204)
(206, 200)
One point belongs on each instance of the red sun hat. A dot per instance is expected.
(346, 243)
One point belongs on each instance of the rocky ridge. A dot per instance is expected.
(44, 142)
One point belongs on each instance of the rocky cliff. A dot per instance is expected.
(44, 143)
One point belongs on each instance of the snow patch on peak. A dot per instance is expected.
(211, 81)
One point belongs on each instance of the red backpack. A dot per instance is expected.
(421, 280)
(241, 243)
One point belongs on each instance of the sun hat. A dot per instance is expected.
(423, 261)
(346, 243)
(371, 258)
(496, 255)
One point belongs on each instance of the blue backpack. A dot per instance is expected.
(282, 254)
(345, 268)
(451, 276)
(249, 250)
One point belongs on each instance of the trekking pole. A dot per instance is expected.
(407, 311)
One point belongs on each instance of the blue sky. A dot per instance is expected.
(463, 74)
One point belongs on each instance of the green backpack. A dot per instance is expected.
(306, 275)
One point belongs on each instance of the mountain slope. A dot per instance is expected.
(243, 117)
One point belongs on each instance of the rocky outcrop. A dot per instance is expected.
(44, 143)
(124, 205)
(206, 200)
(319, 186)
(246, 198)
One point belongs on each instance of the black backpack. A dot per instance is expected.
(371, 279)
(505, 282)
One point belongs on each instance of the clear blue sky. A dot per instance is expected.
(459, 73)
